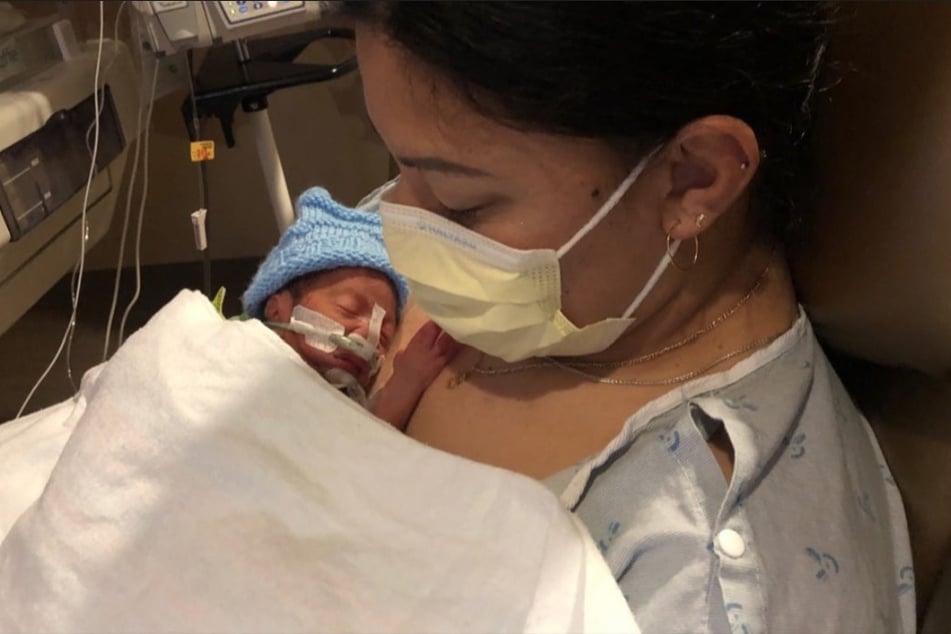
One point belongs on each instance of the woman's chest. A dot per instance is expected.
(513, 423)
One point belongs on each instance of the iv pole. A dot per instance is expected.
(273, 170)
(247, 78)
(267, 151)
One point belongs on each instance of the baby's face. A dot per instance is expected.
(346, 295)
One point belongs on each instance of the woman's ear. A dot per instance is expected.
(712, 162)
(279, 307)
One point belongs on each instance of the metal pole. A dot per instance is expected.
(273, 170)
(269, 156)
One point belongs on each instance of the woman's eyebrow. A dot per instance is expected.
(436, 164)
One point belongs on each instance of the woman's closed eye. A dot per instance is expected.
(465, 217)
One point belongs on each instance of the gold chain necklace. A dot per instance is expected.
(680, 378)
(575, 366)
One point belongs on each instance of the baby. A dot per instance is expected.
(330, 292)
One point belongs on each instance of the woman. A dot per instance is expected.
(594, 198)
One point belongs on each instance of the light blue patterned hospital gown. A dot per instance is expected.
(810, 535)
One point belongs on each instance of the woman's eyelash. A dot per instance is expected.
(462, 216)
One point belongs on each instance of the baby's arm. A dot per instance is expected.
(414, 368)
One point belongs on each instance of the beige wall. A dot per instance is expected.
(876, 272)
(321, 130)
(323, 137)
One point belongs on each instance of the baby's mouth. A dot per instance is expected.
(352, 364)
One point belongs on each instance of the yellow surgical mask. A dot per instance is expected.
(503, 301)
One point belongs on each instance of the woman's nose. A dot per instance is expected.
(411, 190)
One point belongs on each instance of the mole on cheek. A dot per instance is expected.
(595, 193)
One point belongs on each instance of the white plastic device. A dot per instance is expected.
(177, 25)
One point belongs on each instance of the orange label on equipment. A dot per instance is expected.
(202, 151)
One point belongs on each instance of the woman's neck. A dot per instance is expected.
(739, 291)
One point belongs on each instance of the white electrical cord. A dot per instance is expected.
(130, 190)
(83, 226)
(145, 193)
(105, 72)
(96, 122)
(125, 227)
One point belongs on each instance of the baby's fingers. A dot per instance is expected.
(446, 347)
(426, 336)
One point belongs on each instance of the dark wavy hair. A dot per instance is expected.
(633, 73)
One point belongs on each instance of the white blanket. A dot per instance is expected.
(214, 483)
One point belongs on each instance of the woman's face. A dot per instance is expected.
(525, 190)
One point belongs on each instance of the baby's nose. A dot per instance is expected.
(360, 327)
(363, 330)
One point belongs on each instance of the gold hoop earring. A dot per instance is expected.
(696, 254)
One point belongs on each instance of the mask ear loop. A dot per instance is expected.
(655, 276)
(608, 205)
(672, 247)
(606, 208)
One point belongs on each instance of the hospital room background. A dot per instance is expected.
(324, 138)
(875, 272)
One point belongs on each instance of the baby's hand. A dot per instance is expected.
(415, 367)
(425, 356)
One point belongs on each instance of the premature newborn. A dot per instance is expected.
(330, 292)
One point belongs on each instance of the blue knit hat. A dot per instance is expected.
(325, 236)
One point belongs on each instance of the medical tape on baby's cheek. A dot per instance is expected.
(370, 350)
(321, 328)
(366, 349)
(376, 324)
